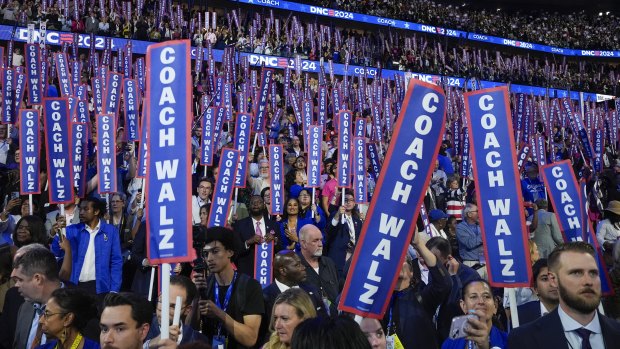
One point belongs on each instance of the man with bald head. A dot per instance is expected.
(321, 270)
(288, 273)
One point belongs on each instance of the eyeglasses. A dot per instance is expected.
(46, 314)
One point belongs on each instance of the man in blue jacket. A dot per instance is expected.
(96, 261)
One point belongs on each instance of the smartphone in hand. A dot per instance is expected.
(459, 325)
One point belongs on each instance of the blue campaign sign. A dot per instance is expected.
(79, 149)
(112, 99)
(222, 195)
(20, 87)
(143, 153)
(390, 220)
(276, 168)
(106, 153)
(263, 263)
(62, 69)
(81, 112)
(130, 91)
(375, 162)
(8, 96)
(57, 145)
(242, 144)
(260, 110)
(563, 190)
(343, 175)
(168, 176)
(207, 136)
(97, 94)
(314, 156)
(29, 165)
(33, 69)
(360, 187)
(497, 182)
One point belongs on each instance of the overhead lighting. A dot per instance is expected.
(600, 14)
(607, 13)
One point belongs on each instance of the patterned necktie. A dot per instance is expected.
(37, 337)
(258, 229)
(584, 333)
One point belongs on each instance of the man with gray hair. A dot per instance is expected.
(469, 237)
(35, 272)
(547, 234)
(320, 270)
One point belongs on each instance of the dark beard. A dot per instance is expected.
(575, 302)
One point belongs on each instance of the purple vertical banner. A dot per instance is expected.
(375, 162)
(242, 144)
(168, 179)
(387, 115)
(322, 117)
(376, 120)
(360, 185)
(589, 233)
(8, 96)
(336, 101)
(263, 263)
(217, 128)
(207, 137)
(456, 135)
(130, 103)
(497, 182)
(29, 164)
(219, 90)
(140, 70)
(390, 221)
(33, 73)
(519, 119)
(262, 139)
(143, 153)
(20, 87)
(563, 191)
(527, 124)
(98, 94)
(599, 145)
(222, 196)
(295, 105)
(541, 153)
(523, 154)
(343, 175)
(578, 128)
(306, 115)
(360, 127)
(9, 56)
(57, 132)
(62, 71)
(465, 157)
(79, 149)
(76, 72)
(106, 153)
(44, 71)
(127, 59)
(260, 110)
(276, 168)
(81, 112)
(112, 99)
(314, 156)
(228, 105)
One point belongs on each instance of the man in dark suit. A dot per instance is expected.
(254, 230)
(547, 294)
(35, 272)
(576, 323)
(288, 272)
(343, 231)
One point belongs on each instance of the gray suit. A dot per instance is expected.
(25, 316)
(547, 234)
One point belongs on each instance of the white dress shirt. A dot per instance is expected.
(573, 339)
(88, 268)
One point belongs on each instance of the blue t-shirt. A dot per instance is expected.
(498, 339)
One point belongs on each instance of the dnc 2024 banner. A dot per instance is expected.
(401, 187)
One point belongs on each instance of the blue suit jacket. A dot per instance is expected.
(529, 312)
(108, 258)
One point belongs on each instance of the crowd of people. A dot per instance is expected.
(313, 40)
(78, 276)
(580, 30)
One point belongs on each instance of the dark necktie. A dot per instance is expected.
(585, 337)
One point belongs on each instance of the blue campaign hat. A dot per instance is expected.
(436, 215)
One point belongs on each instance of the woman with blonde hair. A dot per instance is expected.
(290, 308)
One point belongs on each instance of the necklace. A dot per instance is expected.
(75, 344)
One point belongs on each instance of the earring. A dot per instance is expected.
(64, 334)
